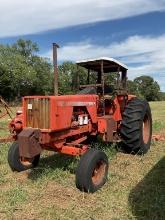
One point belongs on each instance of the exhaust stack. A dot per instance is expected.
(55, 46)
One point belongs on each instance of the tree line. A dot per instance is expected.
(23, 72)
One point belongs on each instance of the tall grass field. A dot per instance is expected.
(135, 188)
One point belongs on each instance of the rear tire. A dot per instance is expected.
(136, 127)
(15, 162)
(92, 170)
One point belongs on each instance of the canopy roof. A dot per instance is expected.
(109, 64)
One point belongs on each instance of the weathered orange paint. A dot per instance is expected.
(75, 151)
(102, 125)
(64, 134)
(117, 112)
(61, 109)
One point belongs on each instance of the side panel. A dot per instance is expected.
(61, 116)
(55, 112)
(64, 109)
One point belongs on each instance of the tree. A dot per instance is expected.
(15, 73)
(65, 72)
(22, 72)
(147, 87)
(25, 47)
(132, 87)
(70, 77)
(43, 81)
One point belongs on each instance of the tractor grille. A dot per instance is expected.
(37, 112)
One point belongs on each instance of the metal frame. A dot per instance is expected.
(99, 68)
(8, 112)
(55, 47)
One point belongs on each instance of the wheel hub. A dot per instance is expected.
(146, 129)
(99, 172)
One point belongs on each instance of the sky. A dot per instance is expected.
(131, 31)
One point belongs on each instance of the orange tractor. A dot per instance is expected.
(66, 123)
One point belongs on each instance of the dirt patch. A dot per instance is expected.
(158, 137)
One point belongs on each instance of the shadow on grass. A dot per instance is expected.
(48, 165)
(147, 199)
(108, 147)
(53, 162)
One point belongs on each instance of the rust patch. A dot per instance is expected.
(99, 173)
(28, 141)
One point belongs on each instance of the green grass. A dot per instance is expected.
(158, 115)
(135, 189)
(4, 121)
(158, 110)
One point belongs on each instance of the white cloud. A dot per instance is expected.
(143, 55)
(23, 17)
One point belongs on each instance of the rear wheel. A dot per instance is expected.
(136, 127)
(18, 163)
(92, 171)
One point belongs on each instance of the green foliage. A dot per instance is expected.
(67, 72)
(147, 87)
(43, 81)
(70, 77)
(132, 87)
(25, 47)
(162, 96)
(22, 72)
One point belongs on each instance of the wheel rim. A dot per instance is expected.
(146, 129)
(26, 161)
(99, 172)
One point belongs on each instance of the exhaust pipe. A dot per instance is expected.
(55, 46)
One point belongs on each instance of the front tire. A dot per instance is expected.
(17, 163)
(136, 127)
(92, 170)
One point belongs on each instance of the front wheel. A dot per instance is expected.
(17, 163)
(92, 171)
